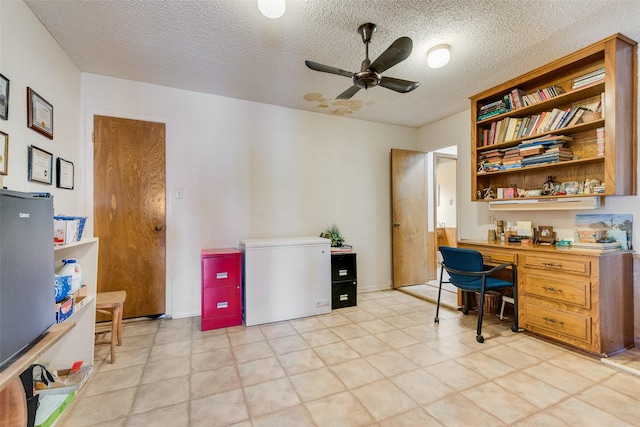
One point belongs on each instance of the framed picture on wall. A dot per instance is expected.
(39, 114)
(4, 97)
(64, 174)
(40, 165)
(4, 153)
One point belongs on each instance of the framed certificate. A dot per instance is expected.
(40, 165)
(64, 174)
(39, 114)
(4, 153)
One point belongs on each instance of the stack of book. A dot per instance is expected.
(492, 109)
(512, 158)
(589, 78)
(600, 141)
(491, 160)
(548, 149)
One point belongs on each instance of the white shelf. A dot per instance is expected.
(78, 343)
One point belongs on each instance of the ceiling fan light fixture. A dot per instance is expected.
(272, 8)
(438, 56)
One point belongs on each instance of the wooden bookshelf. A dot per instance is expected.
(617, 93)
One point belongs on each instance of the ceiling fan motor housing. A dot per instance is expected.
(366, 79)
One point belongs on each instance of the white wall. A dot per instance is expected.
(30, 57)
(473, 217)
(446, 197)
(252, 170)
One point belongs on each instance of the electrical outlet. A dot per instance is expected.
(492, 218)
(179, 192)
(322, 303)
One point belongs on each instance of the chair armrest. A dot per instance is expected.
(480, 273)
(500, 267)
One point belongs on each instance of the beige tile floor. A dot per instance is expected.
(382, 363)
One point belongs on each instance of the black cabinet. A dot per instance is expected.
(344, 280)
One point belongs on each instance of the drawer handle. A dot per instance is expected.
(551, 264)
(548, 288)
(344, 297)
(554, 321)
(223, 275)
(342, 272)
(224, 304)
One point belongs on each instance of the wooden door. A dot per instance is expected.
(129, 211)
(409, 217)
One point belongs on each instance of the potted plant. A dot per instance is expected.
(334, 234)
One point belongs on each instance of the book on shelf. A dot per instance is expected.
(577, 116)
(492, 106)
(597, 246)
(567, 118)
(589, 78)
(523, 127)
(600, 141)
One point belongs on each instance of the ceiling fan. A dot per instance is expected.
(369, 74)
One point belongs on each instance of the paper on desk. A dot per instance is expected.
(523, 228)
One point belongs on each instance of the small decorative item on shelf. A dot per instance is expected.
(489, 193)
(547, 187)
(334, 234)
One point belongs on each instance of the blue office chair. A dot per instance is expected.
(467, 272)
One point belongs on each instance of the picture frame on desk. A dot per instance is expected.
(545, 234)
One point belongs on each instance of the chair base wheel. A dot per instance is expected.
(436, 320)
(514, 328)
(480, 339)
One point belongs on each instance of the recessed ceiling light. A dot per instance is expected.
(438, 56)
(272, 8)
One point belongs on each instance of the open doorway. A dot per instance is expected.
(442, 184)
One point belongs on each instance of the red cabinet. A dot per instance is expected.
(221, 288)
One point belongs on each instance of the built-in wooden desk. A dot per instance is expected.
(579, 297)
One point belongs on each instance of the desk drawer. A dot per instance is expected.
(569, 265)
(498, 257)
(562, 288)
(542, 319)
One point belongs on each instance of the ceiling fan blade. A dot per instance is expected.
(348, 93)
(327, 69)
(396, 53)
(398, 85)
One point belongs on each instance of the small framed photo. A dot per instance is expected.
(39, 114)
(4, 153)
(545, 234)
(64, 174)
(4, 97)
(40, 165)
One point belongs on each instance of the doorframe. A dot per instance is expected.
(87, 180)
(449, 152)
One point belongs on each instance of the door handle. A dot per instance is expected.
(396, 224)
(159, 227)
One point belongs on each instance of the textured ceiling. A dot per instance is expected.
(226, 47)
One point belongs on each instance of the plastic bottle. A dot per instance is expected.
(71, 268)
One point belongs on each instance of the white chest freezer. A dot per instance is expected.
(285, 278)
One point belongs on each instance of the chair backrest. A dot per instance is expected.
(463, 260)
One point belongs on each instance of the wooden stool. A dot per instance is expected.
(112, 304)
